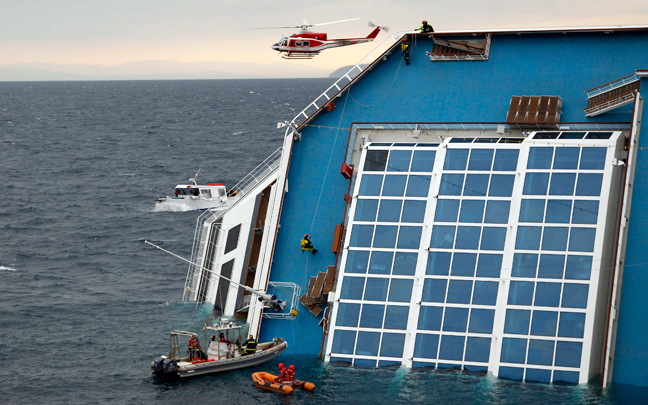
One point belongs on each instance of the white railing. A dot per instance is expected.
(612, 85)
(610, 105)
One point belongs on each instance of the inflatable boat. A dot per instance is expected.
(266, 381)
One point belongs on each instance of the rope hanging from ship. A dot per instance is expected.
(384, 95)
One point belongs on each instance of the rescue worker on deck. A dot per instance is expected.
(306, 244)
(425, 27)
(405, 48)
(250, 346)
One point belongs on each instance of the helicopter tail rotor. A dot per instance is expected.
(372, 25)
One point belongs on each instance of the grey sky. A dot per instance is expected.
(113, 32)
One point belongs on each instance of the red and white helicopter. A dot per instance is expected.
(307, 44)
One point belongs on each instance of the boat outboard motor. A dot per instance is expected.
(170, 368)
(156, 366)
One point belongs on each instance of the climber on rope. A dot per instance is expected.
(405, 48)
(307, 245)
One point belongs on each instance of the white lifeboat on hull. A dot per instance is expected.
(192, 196)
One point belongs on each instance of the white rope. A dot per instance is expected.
(384, 95)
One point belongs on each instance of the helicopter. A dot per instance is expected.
(307, 44)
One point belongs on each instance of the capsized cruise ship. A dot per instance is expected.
(481, 208)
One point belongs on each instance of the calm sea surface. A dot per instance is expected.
(85, 305)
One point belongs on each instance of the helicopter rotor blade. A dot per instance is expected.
(334, 22)
(273, 28)
(372, 25)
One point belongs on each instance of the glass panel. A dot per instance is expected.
(347, 314)
(405, 264)
(540, 158)
(423, 161)
(364, 363)
(506, 160)
(371, 184)
(524, 265)
(585, 212)
(381, 262)
(528, 237)
(418, 186)
(544, 323)
(452, 347)
(485, 293)
(463, 264)
(480, 159)
(476, 184)
(459, 291)
(446, 210)
(451, 184)
(430, 318)
(392, 345)
(517, 321)
(442, 236)
(532, 211)
(372, 316)
(426, 346)
(568, 354)
(536, 183)
(394, 185)
(467, 237)
(376, 289)
(598, 135)
(575, 295)
(540, 352)
(593, 159)
(368, 343)
(571, 325)
(551, 266)
(356, 261)
(481, 320)
(566, 158)
(409, 237)
(497, 212)
(472, 211)
(520, 293)
(543, 376)
(578, 267)
(489, 265)
(558, 211)
(493, 238)
(389, 210)
(572, 135)
(401, 290)
(352, 288)
(547, 295)
(399, 160)
(555, 238)
(513, 350)
(589, 184)
(385, 236)
(501, 185)
(565, 377)
(361, 235)
(396, 317)
(413, 211)
(366, 210)
(455, 159)
(344, 341)
(511, 373)
(438, 263)
(376, 160)
(434, 290)
(478, 349)
(562, 184)
(582, 240)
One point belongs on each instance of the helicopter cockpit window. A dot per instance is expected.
(306, 43)
(298, 43)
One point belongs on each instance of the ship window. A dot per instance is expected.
(489, 265)
(546, 135)
(347, 314)
(536, 183)
(396, 317)
(395, 186)
(532, 210)
(493, 238)
(385, 236)
(366, 210)
(467, 237)
(578, 267)
(232, 238)
(413, 211)
(547, 295)
(442, 236)
(544, 323)
(409, 237)
(565, 376)
(520, 293)
(481, 320)
(364, 363)
(434, 290)
(543, 376)
(501, 185)
(372, 316)
(381, 262)
(524, 265)
(497, 212)
(352, 288)
(558, 211)
(426, 346)
(476, 184)
(528, 238)
(456, 159)
(430, 318)
(485, 293)
(589, 184)
(540, 158)
(571, 325)
(459, 291)
(418, 186)
(455, 320)
(511, 373)
(480, 159)
(371, 184)
(562, 184)
(446, 210)
(438, 263)
(423, 161)
(572, 135)
(451, 184)
(593, 159)
(566, 158)
(401, 290)
(598, 135)
(368, 344)
(517, 321)
(376, 160)
(392, 344)
(463, 264)
(540, 352)
(405, 264)
(575, 296)
(399, 160)
(390, 211)
(356, 261)
(344, 341)
(506, 160)
(361, 235)
(513, 351)
(376, 289)
(555, 238)
(582, 240)
(551, 266)
(452, 347)
(568, 354)
(478, 349)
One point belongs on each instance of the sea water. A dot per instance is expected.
(85, 305)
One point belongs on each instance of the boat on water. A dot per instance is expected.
(267, 381)
(224, 352)
(193, 196)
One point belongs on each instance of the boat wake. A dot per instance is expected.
(6, 268)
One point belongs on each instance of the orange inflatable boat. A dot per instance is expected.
(266, 381)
